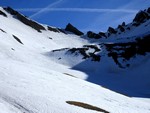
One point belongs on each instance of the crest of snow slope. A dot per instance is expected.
(32, 83)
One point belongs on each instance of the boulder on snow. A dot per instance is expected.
(74, 30)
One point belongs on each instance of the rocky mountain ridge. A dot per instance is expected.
(124, 50)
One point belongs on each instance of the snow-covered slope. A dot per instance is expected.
(34, 79)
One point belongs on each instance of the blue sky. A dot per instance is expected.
(95, 15)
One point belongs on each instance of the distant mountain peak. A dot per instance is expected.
(73, 29)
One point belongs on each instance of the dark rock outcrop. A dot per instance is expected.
(17, 39)
(74, 30)
(91, 34)
(148, 10)
(140, 18)
(123, 24)
(83, 51)
(96, 49)
(126, 51)
(62, 30)
(86, 106)
(102, 34)
(63, 49)
(112, 30)
(121, 28)
(2, 13)
(53, 29)
(25, 20)
(85, 54)
(2, 30)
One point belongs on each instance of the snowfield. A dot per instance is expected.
(33, 81)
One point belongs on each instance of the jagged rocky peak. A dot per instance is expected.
(141, 17)
(121, 28)
(24, 19)
(123, 24)
(73, 29)
(112, 30)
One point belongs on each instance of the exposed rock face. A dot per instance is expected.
(62, 30)
(96, 49)
(126, 51)
(87, 51)
(112, 30)
(121, 28)
(2, 13)
(123, 24)
(140, 18)
(102, 34)
(91, 34)
(85, 54)
(53, 29)
(121, 53)
(74, 30)
(25, 20)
